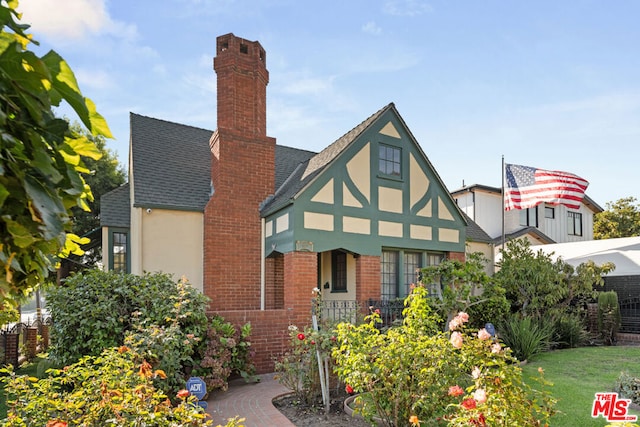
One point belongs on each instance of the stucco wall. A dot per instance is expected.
(171, 242)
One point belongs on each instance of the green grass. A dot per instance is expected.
(577, 374)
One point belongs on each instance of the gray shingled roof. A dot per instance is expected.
(475, 233)
(171, 164)
(114, 208)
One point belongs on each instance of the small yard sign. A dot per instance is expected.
(197, 387)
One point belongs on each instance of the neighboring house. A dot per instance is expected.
(542, 224)
(257, 226)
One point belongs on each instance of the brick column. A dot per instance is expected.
(32, 343)
(11, 348)
(457, 256)
(367, 279)
(300, 277)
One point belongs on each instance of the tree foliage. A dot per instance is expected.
(41, 159)
(536, 284)
(620, 219)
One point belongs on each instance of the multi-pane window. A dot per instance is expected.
(574, 223)
(549, 212)
(389, 274)
(393, 274)
(119, 252)
(339, 271)
(412, 264)
(389, 160)
(529, 217)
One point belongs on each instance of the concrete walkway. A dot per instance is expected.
(251, 401)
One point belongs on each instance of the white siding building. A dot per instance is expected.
(542, 224)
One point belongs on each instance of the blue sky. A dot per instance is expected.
(549, 84)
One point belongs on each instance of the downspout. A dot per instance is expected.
(262, 265)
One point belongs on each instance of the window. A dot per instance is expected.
(574, 224)
(119, 252)
(529, 217)
(392, 275)
(412, 265)
(339, 271)
(389, 275)
(389, 161)
(549, 212)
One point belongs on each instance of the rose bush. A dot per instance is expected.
(415, 373)
(115, 388)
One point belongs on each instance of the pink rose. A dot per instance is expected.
(463, 316)
(483, 334)
(480, 395)
(456, 339)
(495, 348)
(455, 390)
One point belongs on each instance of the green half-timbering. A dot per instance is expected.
(376, 189)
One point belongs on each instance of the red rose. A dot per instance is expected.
(301, 336)
(469, 403)
(313, 342)
(348, 389)
(182, 394)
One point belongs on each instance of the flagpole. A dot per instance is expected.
(503, 200)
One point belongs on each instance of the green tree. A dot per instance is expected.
(620, 219)
(536, 284)
(41, 159)
(106, 174)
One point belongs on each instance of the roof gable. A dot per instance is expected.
(342, 190)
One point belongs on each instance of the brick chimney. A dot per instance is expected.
(242, 175)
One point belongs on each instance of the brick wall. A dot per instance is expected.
(457, 256)
(367, 279)
(269, 334)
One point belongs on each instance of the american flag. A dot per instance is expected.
(526, 187)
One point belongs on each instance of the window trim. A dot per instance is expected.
(551, 210)
(127, 258)
(574, 218)
(339, 279)
(390, 161)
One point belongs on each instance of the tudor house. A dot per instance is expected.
(257, 226)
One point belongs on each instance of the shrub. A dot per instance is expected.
(415, 373)
(94, 310)
(628, 387)
(224, 351)
(115, 388)
(526, 336)
(569, 331)
(608, 316)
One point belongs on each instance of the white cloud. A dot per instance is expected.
(72, 20)
(94, 79)
(371, 28)
(407, 7)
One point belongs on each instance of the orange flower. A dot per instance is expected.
(145, 370)
(123, 349)
(160, 373)
(56, 423)
(413, 420)
(182, 394)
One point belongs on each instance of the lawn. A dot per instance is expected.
(577, 374)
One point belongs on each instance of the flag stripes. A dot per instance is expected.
(526, 187)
